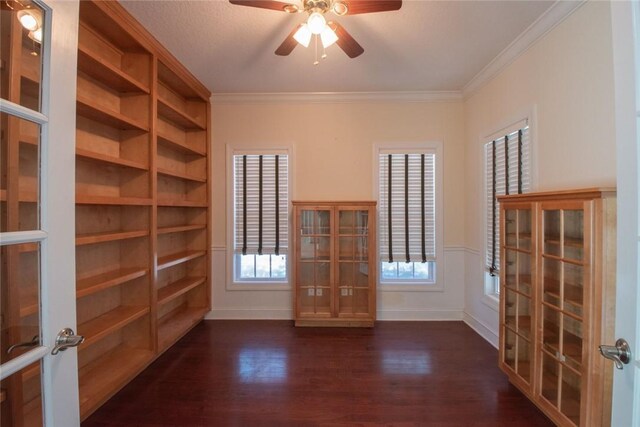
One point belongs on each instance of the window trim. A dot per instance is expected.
(489, 297)
(410, 285)
(261, 284)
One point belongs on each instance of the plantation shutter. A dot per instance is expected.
(507, 161)
(407, 207)
(261, 204)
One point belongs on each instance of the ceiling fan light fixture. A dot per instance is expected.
(291, 8)
(316, 23)
(339, 8)
(303, 35)
(328, 37)
(31, 19)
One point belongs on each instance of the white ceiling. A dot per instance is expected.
(425, 46)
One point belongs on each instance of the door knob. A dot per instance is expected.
(66, 339)
(620, 353)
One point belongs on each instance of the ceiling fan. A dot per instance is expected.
(328, 32)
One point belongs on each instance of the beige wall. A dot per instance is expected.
(333, 147)
(566, 78)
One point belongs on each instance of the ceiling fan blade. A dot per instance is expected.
(355, 7)
(288, 44)
(266, 4)
(345, 41)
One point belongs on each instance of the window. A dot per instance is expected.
(507, 171)
(407, 206)
(261, 217)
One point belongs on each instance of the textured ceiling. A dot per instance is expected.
(425, 46)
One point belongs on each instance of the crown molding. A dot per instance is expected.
(539, 28)
(335, 97)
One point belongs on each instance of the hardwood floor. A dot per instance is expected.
(268, 373)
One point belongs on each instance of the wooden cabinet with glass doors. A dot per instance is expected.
(557, 297)
(335, 263)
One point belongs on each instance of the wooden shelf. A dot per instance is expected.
(29, 305)
(94, 66)
(103, 377)
(109, 236)
(86, 108)
(170, 142)
(181, 228)
(176, 323)
(85, 199)
(182, 203)
(572, 293)
(177, 288)
(103, 158)
(178, 258)
(174, 114)
(100, 282)
(96, 329)
(555, 240)
(180, 175)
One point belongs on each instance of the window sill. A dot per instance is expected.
(492, 301)
(259, 286)
(409, 287)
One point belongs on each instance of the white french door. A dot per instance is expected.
(626, 53)
(37, 216)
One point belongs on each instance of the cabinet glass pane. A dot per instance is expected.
(552, 270)
(307, 298)
(323, 300)
(551, 331)
(307, 248)
(306, 273)
(572, 342)
(511, 301)
(362, 222)
(361, 301)
(306, 222)
(524, 359)
(524, 316)
(550, 375)
(570, 395)
(552, 232)
(345, 222)
(19, 190)
(573, 234)
(510, 267)
(346, 248)
(22, 398)
(362, 274)
(26, 57)
(345, 300)
(20, 304)
(524, 273)
(524, 229)
(510, 348)
(511, 227)
(361, 248)
(323, 222)
(345, 274)
(323, 248)
(323, 271)
(573, 288)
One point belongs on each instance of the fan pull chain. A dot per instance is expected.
(316, 62)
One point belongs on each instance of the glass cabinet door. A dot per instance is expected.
(314, 263)
(353, 262)
(517, 289)
(563, 266)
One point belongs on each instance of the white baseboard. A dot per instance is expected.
(418, 315)
(483, 330)
(250, 314)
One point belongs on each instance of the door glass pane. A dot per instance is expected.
(20, 152)
(307, 248)
(323, 248)
(20, 306)
(322, 274)
(550, 375)
(572, 342)
(511, 300)
(362, 274)
(305, 273)
(323, 222)
(551, 331)
(524, 273)
(21, 397)
(306, 222)
(345, 274)
(524, 359)
(323, 300)
(573, 234)
(21, 21)
(345, 299)
(510, 348)
(361, 301)
(573, 289)
(524, 316)
(570, 397)
(511, 268)
(362, 222)
(524, 229)
(346, 224)
(361, 248)
(345, 248)
(552, 272)
(552, 232)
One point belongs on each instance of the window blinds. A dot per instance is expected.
(261, 204)
(407, 207)
(507, 172)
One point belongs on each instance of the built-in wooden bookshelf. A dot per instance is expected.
(142, 200)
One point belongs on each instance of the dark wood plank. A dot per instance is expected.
(268, 373)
